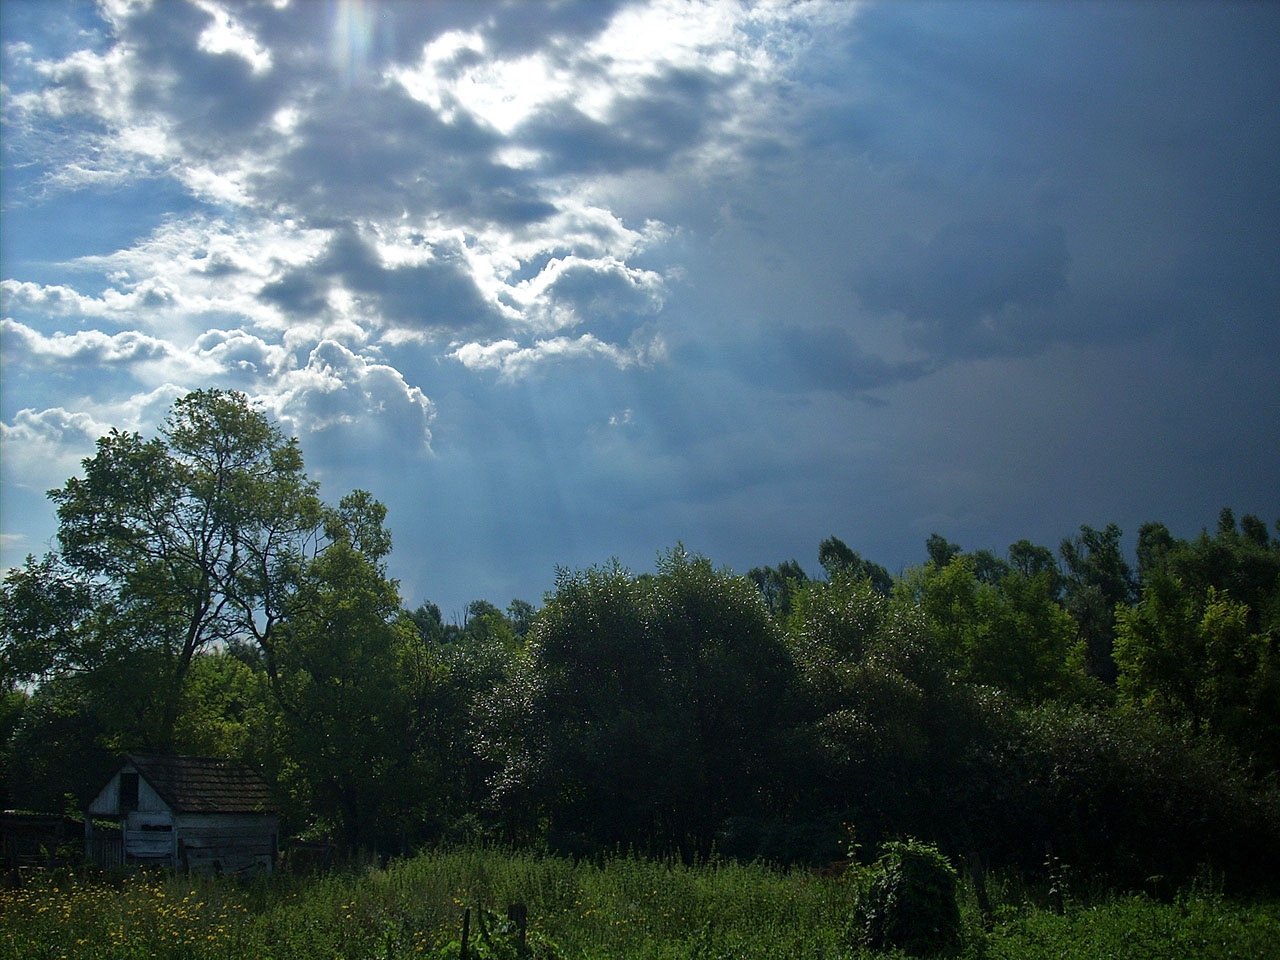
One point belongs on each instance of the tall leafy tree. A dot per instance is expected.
(1032, 560)
(837, 557)
(1154, 544)
(882, 725)
(778, 584)
(941, 550)
(579, 732)
(1008, 631)
(45, 609)
(1098, 580)
(729, 675)
(643, 710)
(1188, 655)
(347, 664)
(193, 536)
(1243, 561)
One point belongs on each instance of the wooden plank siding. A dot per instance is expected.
(187, 813)
(108, 801)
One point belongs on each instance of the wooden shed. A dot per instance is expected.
(191, 813)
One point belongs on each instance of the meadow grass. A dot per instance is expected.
(625, 907)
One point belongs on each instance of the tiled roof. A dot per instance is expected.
(204, 785)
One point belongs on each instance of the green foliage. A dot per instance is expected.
(621, 907)
(1194, 926)
(966, 702)
(644, 710)
(1117, 796)
(940, 550)
(837, 558)
(1200, 646)
(1005, 631)
(908, 901)
(224, 703)
(1191, 658)
(1098, 580)
(189, 537)
(45, 609)
(1020, 638)
(778, 584)
(56, 746)
(883, 728)
(337, 678)
(495, 937)
(1033, 560)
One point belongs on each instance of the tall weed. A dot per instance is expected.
(622, 907)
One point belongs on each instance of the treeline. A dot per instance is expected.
(1038, 711)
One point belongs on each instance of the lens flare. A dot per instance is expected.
(353, 39)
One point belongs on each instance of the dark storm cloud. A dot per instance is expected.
(299, 291)
(794, 359)
(1069, 171)
(439, 295)
(211, 96)
(388, 155)
(978, 286)
(396, 30)
(360, 149)
(876, 270)
(829, 358)
(376, 157)
(605, 297)
(671, 114)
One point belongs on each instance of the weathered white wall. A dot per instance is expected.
(229, 842)
(107, 802)
(232, 843)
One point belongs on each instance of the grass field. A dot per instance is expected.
(624, 908)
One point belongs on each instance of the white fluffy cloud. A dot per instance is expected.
(469, 165)
(240, 355)
(44, 447)
(86, 348)
(514, 362)
(53, 426)
(361, 399)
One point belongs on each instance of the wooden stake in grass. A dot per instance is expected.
(466, 932)
(518, 914)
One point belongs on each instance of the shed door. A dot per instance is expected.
(128, 792)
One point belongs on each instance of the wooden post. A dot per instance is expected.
(518, 914)
(466, 932)
(979, 876)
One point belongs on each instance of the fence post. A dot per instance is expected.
(518, 914)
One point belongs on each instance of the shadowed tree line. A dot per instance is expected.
(1018, 709)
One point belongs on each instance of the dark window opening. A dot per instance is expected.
(128, 792)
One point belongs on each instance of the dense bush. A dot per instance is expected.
(908, 901)
(1116, 795)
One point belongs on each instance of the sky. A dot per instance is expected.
(566, 282)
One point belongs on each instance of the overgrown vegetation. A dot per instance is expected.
(1044, 715)
(620, 907)
(907, 901)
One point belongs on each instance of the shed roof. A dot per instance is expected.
(204, 784)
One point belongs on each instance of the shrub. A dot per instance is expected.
(909, 902)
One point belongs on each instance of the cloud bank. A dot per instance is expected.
(593, 278)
